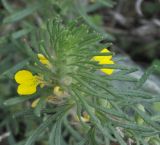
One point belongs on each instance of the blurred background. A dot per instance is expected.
(133, 26)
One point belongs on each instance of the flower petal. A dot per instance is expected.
(105, 60)
(24, 89)
(102, 59)
(106, 70)
(43, 59)
(104, 50)
(23, 76)
(35, 102)
(57, 91)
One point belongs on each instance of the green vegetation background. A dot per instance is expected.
(133, 27)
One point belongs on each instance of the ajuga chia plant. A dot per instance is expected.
(80, 92)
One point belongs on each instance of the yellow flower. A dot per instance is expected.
(105, 60)
(27, 82)
(35, 103)
(44, 60)
(58, 92)
(85, 117)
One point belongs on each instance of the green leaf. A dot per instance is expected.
(16, 100)
(82, 142)
(82, 12)
(55, 135)
(118, 136)
(154, 67)
(24, 113)
(10, 72)
(39, 130)
(40, 106)
(147, 119)
(91, 136)
(74, 133)
(20, 33)
(145, 76)
(108, 3)
(156, 106)
(7, 6)
(52, 135)
(22, 13)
